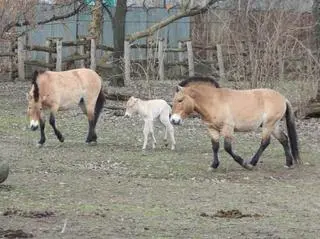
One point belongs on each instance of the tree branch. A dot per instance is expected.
(108, 11)
(53, 18)
(184, 12)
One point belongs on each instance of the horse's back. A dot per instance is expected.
(248, 109)
(67, 88)
(158, 106)
(259, 99)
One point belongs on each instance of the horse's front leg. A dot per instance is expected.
(237, 158)
(215, 147)
(52, 121)
(42, 135)
(266, 133)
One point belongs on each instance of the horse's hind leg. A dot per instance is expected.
(92, 136)
(52, 122)
(279, 134)
(83, 106)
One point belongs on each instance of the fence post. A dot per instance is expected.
(181, 58)
(11, 61)
(93, 63)
(161, 59)
(126, 61)
(21, 58)
(220, 62)
(59, 54)
(281, 65)
(190, 58)
(48, 54)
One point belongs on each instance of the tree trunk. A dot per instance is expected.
(118, 26)
(313, 108)
(97, 21)
(316, 15)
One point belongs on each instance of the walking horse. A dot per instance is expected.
(226, 111)
(63, 90)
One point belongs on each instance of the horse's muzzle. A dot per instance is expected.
(175, 119)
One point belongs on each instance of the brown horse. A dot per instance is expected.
(226, 111)
(61, 91)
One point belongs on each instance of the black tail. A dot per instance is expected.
(99, 105)
(292, 133)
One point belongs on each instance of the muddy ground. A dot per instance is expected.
(113, 190)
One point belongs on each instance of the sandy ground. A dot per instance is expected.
(113, 190)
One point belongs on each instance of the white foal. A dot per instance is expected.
(151, 110)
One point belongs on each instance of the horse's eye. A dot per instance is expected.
(180, 100)
(40, 108)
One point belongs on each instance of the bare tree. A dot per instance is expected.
(118, 27)
(316, 14)
(187, 9)
(95, 28)
(12, 16)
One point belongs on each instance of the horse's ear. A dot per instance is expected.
(178, 88)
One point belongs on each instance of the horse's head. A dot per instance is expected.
(34, 110)
(132, 106)
(182, 106)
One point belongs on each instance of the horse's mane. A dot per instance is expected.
(35, 85)
(193, 79)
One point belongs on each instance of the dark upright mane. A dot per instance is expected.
(193, 79)
(35, 84)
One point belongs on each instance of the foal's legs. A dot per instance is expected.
(164, 118)
(145, 134)
(152, 133)
(52, 122)
(215, 147)
(283, 139)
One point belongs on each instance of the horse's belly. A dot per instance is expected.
(70, 101)
(246, 126)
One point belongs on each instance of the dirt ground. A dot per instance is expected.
(113, 190)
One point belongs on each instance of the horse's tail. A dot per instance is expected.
(292, 132)
(99, 105)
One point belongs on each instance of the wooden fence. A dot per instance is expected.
(86, 53)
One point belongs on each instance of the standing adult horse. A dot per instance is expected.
(61, 91)
(226, 111)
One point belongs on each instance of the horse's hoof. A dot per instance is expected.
(211, 169)
(61, 139)
(248, 166)
(173, 148)
(289, 166)
(144, 152)
(39, 145)
(166, 144)
(92, 143)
